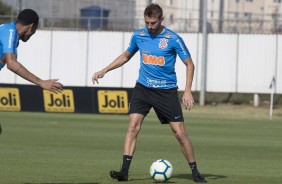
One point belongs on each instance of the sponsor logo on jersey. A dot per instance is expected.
(61, 102)
(163, 43)
(142, 33)
(153, 60)
(155, 83)
(10, 99)
(168, 35)
(145, 51)
(112, 101)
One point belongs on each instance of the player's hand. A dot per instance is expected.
(97, 76)
(188, 100)
(52, 85)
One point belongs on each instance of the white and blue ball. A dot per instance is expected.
(161, 170)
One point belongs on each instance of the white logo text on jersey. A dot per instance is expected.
(10, 38)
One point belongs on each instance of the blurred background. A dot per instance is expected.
(236, 52)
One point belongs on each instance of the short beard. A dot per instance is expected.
(156, 31)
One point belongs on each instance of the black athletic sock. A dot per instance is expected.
(126, 163)
(193, 167)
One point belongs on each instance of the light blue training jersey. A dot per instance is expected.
(157, 57)
(9, 41)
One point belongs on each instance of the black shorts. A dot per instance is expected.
(165, 102)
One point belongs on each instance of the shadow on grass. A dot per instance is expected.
(150, 180)
(207, 176)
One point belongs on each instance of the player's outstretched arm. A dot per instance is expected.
(19, 69)
(118, 62)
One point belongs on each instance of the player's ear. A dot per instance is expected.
(30, 26)
(33, 27)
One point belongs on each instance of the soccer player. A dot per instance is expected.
(156, 86)
(10, 34)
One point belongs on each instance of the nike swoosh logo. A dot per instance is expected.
(177, 117)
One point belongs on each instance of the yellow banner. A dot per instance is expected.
(10, 99)
(112, 101)
(61, 102)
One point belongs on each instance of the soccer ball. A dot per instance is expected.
(161, 170)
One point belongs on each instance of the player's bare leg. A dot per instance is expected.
(134, 126)
(187, 149)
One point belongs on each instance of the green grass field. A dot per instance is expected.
(233, 144)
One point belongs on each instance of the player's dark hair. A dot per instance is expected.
(28, 16)
(153, 10)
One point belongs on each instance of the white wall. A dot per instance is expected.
(221, 65)
(279, 66)
(256, 62)
(236, 63)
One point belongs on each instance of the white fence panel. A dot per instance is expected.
(198, 64)
(236, 63)
(6, 76)
(69, 52)
(221, 64)
(104, 47)
(279, 66)
(131, 68)
(256, 62)
(191, 42)
(35, 55)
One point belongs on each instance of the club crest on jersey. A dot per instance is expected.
(163, 43)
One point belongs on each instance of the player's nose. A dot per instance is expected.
(150, 26)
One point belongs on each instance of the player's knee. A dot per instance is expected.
(133, 128)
